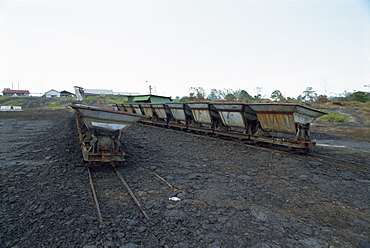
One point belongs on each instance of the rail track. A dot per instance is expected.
(122, 182)
(333, 161)
(339, 162)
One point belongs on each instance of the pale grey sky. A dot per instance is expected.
(175, 45)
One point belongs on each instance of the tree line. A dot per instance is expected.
(308, 95)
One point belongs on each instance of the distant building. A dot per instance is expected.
(125, 93)
(98, 92)
(9, 92)
(65, 93)
(148, 99)
(52, 93)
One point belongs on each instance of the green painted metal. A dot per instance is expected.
(141, 98)
(148, 99)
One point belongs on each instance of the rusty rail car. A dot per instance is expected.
(100, 130)
(283, 124)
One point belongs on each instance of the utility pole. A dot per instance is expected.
(150, 88)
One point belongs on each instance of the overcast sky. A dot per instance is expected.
(175, 45)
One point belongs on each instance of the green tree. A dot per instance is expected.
(242, 95)
(186, 99)
(359, 96)
(230, 97)
(214, 95)
(276, 95)
(197, 92)
(226, 92)
(341, 97)
(309, 95)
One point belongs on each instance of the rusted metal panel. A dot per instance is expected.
(277, 122)
(283, 117)
(180, 111)
(235, 114)
(147, 108)
(275, 117)
(137, 109)
(160, 110)
(119, 107)
(128, 107)
(232, 119)
(202, 112)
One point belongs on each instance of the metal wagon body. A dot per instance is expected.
(100, 132)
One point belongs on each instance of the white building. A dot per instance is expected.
(52, 93)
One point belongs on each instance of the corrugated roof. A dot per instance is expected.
(51, 91)
(141, 98)
(66, 92)
(16, 91)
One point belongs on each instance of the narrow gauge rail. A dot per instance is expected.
(258, 123)
(341, 163)
(99, 132)
(123, 182)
